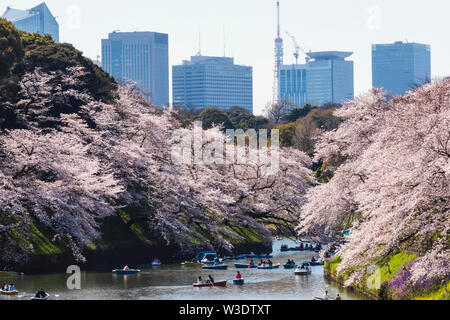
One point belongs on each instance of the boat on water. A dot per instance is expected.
(215, 267)
(211, 284)
(43, 298)
(289, 265)
(9, 293)
(126, 272)
(268, 267)
(302, 271)
(238, 281)
(10, 273)
(156, 263)
(245, 266)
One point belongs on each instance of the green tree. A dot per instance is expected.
(287, 132)
(296, 113)
(214, 116)
(11, 48)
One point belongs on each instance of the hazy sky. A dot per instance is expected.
(250, 28)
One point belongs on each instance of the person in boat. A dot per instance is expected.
(270, 263)
(126, 268)
(5, 287)
(200, 280)
(41, 293)
(251, 263)
(261, 263)
(338, 297)
(302, 267)
(313, 259)
(301, 245)
(12, 287)
(326, 296)
(238, 276)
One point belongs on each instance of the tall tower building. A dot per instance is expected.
(205, 82)
(329, 77)
(142, 58)
(400, 66)
(325, 78)
(278, 59)
(37, 19)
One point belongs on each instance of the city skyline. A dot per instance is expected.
(347, 26)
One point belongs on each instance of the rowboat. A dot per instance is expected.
(214, 284)
(302, 272)
(126, 272)
(238, 281)
(44, 298)
(215, 267)
(245, 266)
(290, 266)
(192, 264)
(9, 273)
(9, 293)
(275, 266)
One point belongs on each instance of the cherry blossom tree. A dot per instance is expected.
(391, 184)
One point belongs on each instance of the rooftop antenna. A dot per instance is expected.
(278, 59)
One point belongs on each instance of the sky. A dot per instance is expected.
(250, 29)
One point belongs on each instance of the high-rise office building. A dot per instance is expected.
(400, 66)
(293, 84)
(37, 19)
(204, 82)
(325, 78)
(141, 58)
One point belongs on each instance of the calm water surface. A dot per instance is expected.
(174, 282)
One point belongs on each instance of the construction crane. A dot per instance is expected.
(297, 49)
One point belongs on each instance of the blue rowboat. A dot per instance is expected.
(215, 267)
(238, 281)
(43, 298)
(275, 266)
(126, 272)
(289, 266)
(245, 266)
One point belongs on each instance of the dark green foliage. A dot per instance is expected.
(11, 48)
(22, 52)
(42, 52)
(296, 113)
(214, 116)
(287, 132)
(234, 118)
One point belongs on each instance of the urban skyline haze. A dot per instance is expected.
(250, 29)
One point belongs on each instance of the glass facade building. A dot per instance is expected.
(325, 78)
(37, 19)
(141, 58)
(205, 82)
(293, 84)
(398, 67)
